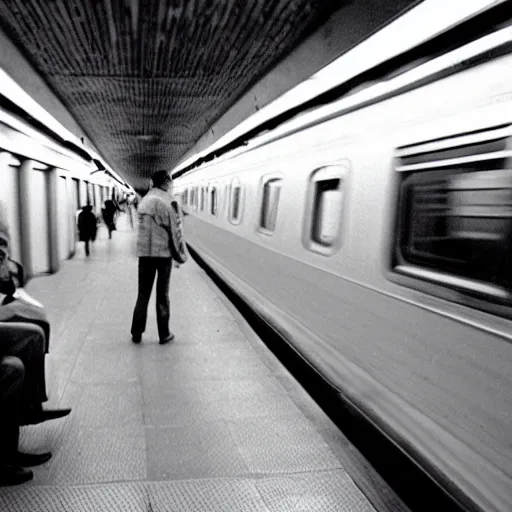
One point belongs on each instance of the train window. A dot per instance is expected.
(270, 203)
(213, 200)
(454, 221)
(323, 218)
(235, 207)
(326, 212)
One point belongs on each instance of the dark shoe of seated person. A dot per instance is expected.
(35, 415)
(14, 474)
(28, 460)
(167, 339)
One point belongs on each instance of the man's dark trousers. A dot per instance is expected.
(27, 342)
(12, 373)
(148, 267)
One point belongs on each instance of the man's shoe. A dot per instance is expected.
(28, 460)
(167, 339)
(41, 415)
(12, 474)
(136, 338)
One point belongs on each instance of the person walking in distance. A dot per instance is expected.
(157, 229)
(109, 216)
(87, 226)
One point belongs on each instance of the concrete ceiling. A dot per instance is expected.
(145, 79)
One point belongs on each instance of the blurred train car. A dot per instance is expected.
(375, 234)
(43, 184)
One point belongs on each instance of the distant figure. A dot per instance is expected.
(158, 231)
(87, 226)
(109, 215)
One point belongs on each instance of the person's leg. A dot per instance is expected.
(146, 277)
(11, 382)
(87, 251)
(27, 342)
(12, 461)
(162, 298)
(12, 374)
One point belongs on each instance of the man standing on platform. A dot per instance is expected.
(157, 225)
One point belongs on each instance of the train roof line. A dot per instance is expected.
(476, 26)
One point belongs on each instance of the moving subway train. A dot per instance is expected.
(375, 233)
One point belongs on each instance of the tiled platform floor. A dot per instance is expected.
(210, 422)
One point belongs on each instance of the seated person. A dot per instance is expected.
(24, 333)
(12, 461)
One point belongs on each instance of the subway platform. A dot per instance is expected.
(209, 422)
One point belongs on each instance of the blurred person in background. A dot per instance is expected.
(109, 216)
(87, 227)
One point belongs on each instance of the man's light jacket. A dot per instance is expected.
(156, 219)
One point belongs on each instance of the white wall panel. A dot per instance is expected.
(39, 231)
(82, 199)
(63, 217)
(97, 200)
(73, 207)
(10, 201)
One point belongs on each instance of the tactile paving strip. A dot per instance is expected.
(315, 492)
(206, 495)
(288, 444)
(100, 455)
(329, 491)
(111, 498)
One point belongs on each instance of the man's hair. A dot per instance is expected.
(160, 177)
